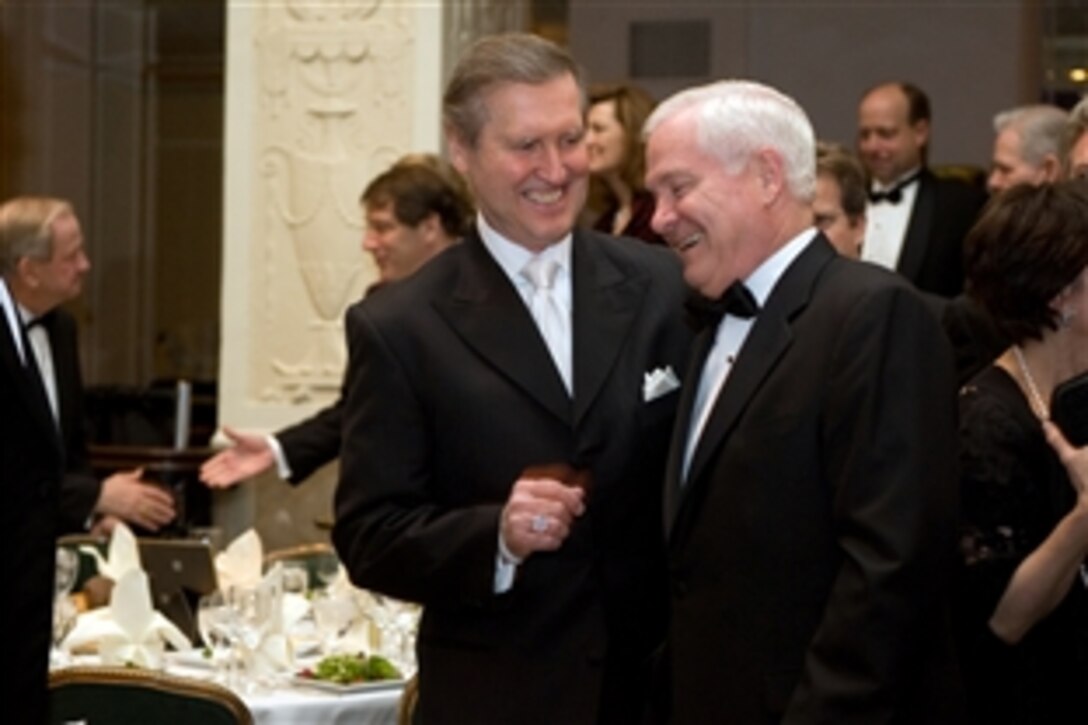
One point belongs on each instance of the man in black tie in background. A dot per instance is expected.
(811, 491)
(916, 220)
(31, 469)
(45, 267)
(504, 438)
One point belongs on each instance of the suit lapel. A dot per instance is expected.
(30, 388)
(606, 303)
(673, 494)
(489, 315)
(767, 342)
(919, 228)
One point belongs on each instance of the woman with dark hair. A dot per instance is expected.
(617, 161)
(1024, 604)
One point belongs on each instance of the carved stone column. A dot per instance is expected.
(321, 97)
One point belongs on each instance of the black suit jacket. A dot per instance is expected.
(80, 488)
(31, 467)
(810, 545)
(451, 396)
(932, 254)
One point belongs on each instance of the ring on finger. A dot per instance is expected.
(539, 524)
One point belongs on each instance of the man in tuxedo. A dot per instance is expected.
(916, 220)
(507, 422)
(811, 490)
(46, 266)
(31, 469)
(413, 211)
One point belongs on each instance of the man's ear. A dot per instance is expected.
(770, 172)
(430, 227)
(26, 272)
(458, 150)
(920, 129)
(1051, 168)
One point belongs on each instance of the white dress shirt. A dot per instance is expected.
(512, 258)
(729, 340)
(887, 224)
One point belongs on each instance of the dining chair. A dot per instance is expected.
(406, 706)
(318, 558)
(124, 695)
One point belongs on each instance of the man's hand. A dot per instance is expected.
(538, 515)
(249, 456)
(128, 498)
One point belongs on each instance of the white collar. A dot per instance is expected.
(513, 257)
(762, 280)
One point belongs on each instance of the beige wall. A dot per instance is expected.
(973, 59)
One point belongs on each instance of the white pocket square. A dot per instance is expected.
(658, 382)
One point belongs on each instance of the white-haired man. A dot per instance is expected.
(811, 494)
(1027, 147)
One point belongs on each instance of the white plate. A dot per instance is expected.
(328, 686)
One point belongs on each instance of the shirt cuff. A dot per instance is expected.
(506, 566)
(282, 467)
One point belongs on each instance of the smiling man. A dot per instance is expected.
(916, 220)
(811, 493)
(507, 422)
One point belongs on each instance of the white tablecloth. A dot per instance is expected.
(297, 704)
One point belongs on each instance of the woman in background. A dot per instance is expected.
(1024, 604)
(617, 161)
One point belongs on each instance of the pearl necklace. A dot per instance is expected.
(1037, 403)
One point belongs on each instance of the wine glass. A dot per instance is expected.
(334, 614)
(215, 620)
(67, 569)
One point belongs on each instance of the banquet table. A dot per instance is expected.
(298, 704)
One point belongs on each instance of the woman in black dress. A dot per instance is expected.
(1024, 603)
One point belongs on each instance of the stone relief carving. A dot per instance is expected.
(333, 110)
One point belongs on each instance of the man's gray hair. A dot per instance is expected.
(1039, 127)
(26, 229)
(497, 59)
(736, 119)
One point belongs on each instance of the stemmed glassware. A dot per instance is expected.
(216, 621)
(64, 610)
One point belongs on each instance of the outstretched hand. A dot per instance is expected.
(249, 455)
(125, 496)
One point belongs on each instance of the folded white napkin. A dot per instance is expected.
(129, 630)
(268, 649)
(122, 555)
(239, 565)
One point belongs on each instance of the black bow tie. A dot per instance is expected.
(737, 301)
(33, 322)
(893, 195)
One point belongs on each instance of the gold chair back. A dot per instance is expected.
(123, 695)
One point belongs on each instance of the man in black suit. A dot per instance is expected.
(811, 490)
(31, 455)
(413, 210)
(48, 264)
(916, 220)
(507, 422)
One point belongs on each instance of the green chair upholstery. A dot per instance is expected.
(126, 695)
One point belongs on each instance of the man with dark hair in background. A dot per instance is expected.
(413, 210)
